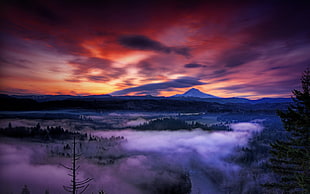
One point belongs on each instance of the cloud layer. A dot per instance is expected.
(57, 47)
(153, 89)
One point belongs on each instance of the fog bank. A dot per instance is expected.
(145, 161)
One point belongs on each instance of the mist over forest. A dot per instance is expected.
(206, 152)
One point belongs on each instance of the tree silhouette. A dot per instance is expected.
(291, 157)
(25, 190)
(76, 185)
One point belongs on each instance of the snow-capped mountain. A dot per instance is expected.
(195, 93)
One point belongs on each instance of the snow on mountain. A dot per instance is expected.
(195, 93)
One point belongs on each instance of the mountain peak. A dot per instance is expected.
(195, 93)
(192, 90)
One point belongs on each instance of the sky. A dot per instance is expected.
(249, 49)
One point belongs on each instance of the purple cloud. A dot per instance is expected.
(153, 88)
(140, 42)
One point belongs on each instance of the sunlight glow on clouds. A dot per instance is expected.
(239, 49)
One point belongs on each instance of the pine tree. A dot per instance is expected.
(290, 158)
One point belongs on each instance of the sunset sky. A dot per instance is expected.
(251, 49)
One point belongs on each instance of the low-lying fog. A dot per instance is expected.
(145, 159)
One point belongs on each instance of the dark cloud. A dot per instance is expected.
(151, 69)
(126, 83)
(9, 61)
(38, 10)
(276, 68)
(74, 80)
(194, 65)
(183, 82)
(238, 56)
(284, 21)
(18, 91)
(69, 45)
(281, 29)
(98, 78)
(223, 80)
(221, 71)
(220, 74)
(146, 67)
(157, 66)
(92, 62)
(152, 93)
(283, 87)
(83, 66)
(140, 42)
(184, 51)
(61, 42)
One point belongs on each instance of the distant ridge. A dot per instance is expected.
(191, 95)
(46, 98)
(195, 93)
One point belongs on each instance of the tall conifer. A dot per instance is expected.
(290, 158)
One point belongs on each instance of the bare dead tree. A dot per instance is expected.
(76, 186)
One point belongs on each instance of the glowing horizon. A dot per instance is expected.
(250, 49)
